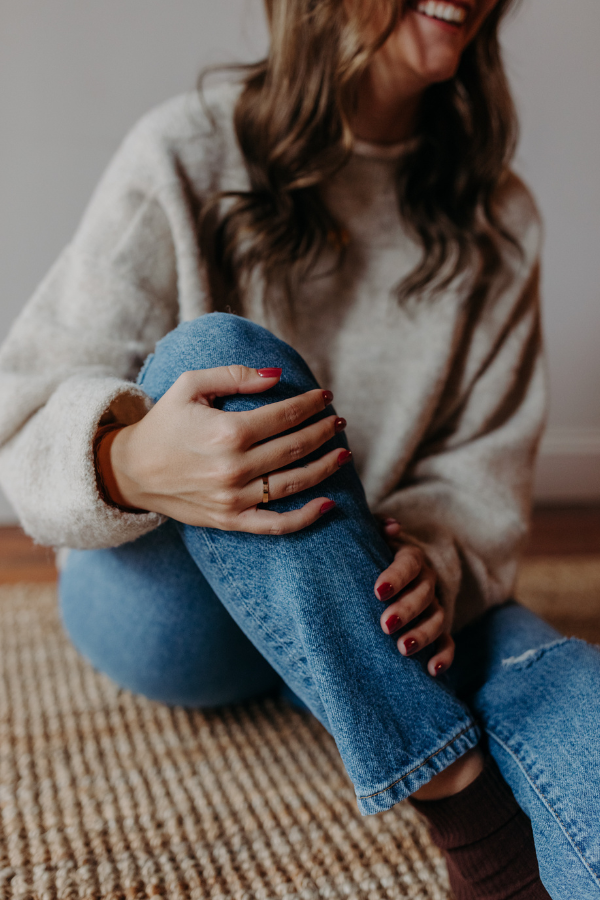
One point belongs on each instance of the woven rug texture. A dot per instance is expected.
(108, 796)
(104, 794)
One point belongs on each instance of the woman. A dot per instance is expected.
(351, 202)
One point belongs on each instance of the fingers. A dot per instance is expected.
(278, 417)
(412, 602)
(290, 448)
(205, 384)
(422, 620)
(293, 481)
(391, 528)
(407, 565)
(443, 658)
(431, 626)
(258, 521)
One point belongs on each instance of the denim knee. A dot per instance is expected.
(222, 339)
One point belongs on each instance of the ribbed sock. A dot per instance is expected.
(487, 841)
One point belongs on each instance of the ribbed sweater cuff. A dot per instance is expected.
(474, 813)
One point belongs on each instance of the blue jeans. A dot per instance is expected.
(202, 617)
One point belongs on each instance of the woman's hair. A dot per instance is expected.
(292, 122)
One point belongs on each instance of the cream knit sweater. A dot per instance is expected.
(444, 395)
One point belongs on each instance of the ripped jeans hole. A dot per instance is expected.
(530, 656)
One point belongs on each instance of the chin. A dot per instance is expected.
(432, 66)
(429, 48)
(434, 74)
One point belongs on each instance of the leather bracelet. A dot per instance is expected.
(107, 486)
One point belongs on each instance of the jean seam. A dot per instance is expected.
(421, 764)
(546, 803)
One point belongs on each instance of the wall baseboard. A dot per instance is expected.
(568, 470)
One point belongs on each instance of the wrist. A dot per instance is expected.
(111, 484)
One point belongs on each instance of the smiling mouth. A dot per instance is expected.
(450, 13)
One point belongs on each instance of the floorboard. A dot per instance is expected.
(22, 560)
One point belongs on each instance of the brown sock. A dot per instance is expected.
(487, 841)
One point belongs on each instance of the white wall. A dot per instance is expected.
(552, 52)
(75, 75)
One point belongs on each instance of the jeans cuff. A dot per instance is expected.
(404, 785)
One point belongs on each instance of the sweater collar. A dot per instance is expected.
(384, 151)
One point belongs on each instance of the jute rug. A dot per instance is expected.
(108, 796)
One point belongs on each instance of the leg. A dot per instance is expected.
(537, 695)
(306, 601)
(144, 614)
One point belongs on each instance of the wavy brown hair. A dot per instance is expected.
(292, 122)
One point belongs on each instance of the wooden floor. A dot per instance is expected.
(561, 531)
(22, 560)
(555, 531)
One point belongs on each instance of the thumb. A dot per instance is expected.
(206, 384)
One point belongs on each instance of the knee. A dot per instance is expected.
(220, 339)
(544, 689)
(218, 335)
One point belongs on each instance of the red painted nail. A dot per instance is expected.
(440, 668)
(269, 373)
(393, 624)
(340, 424)
(327, 506)
(327, 397)
(385, 591)
(344, 457)
(410, 645)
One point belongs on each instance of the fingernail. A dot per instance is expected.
(327, 506)
(385, 591)
(340, 424)
(393, 624)
(344, 457)
(269, 373)
(327, 397)
(410, 646)
(440, 668)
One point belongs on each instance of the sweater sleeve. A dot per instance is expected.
(70, 360)
(465, 498)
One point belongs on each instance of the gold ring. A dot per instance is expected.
(265, 496)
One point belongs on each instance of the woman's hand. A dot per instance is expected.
(202, 466)
(415, 609)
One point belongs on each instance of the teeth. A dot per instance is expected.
(447, 12)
